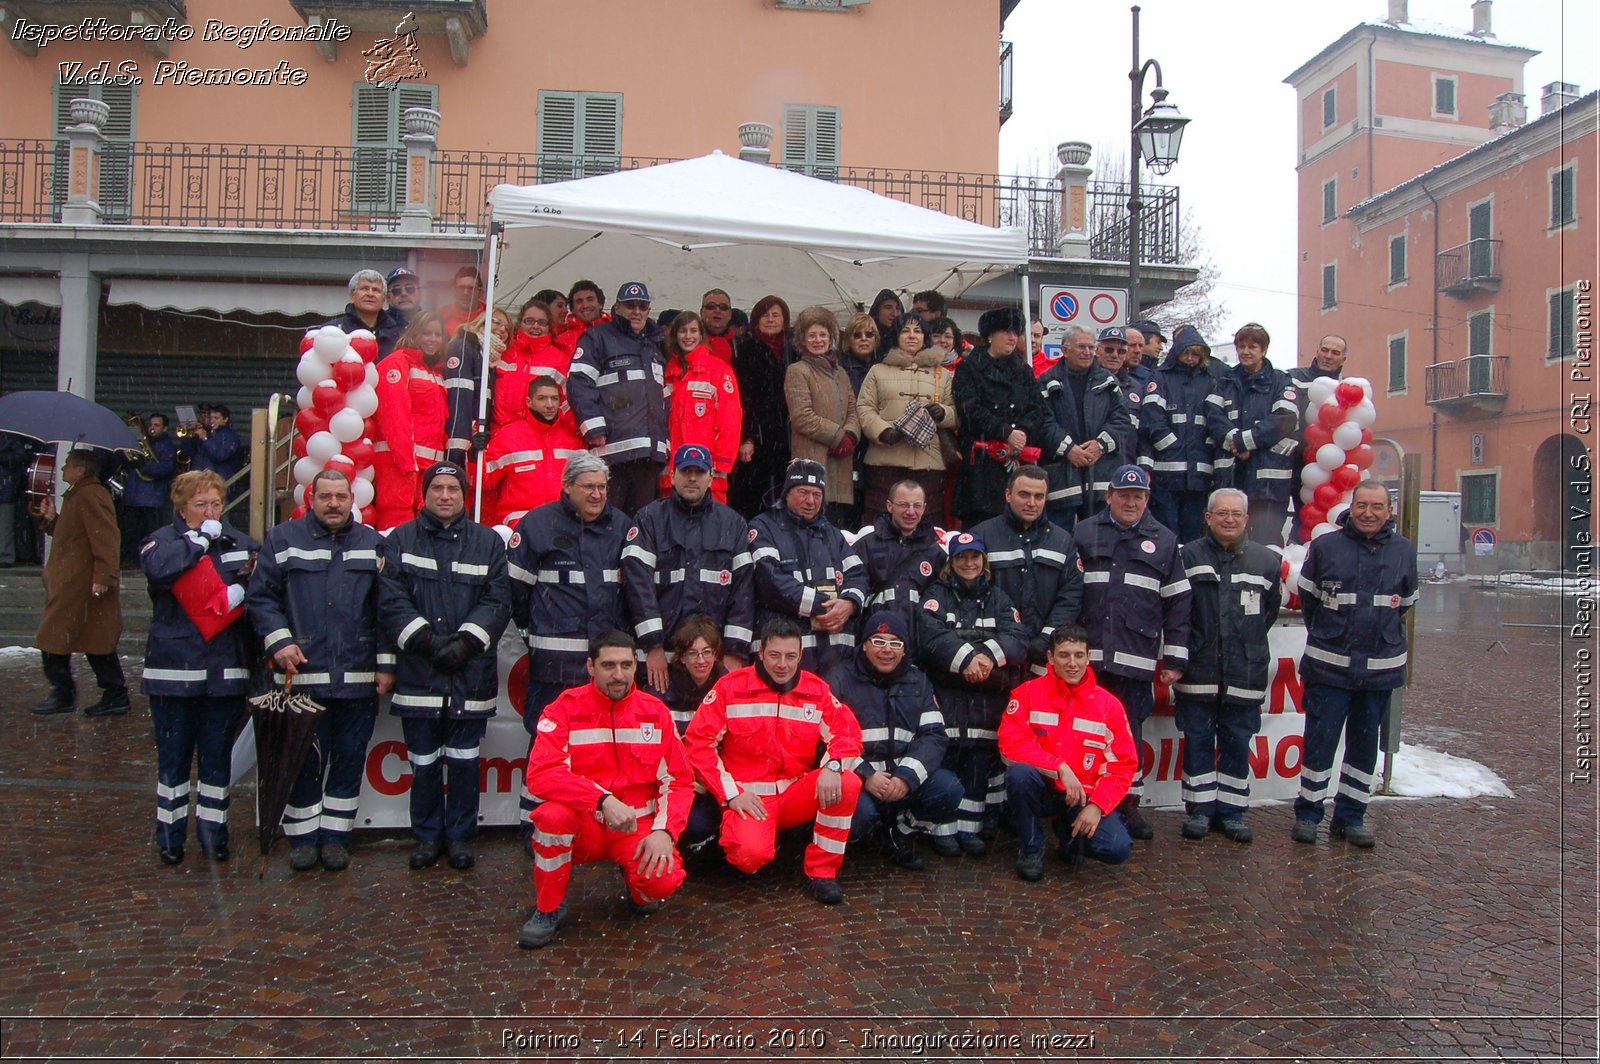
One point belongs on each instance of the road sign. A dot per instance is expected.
(1483, 542)
(1087, 308)
(1477, 448)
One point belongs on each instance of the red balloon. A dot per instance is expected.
(1362, 457)
(1348, 394)
(369, 429)
(1317, 434)
(1327, 496)
(1331, 416)
(1312, 515)
(299, 512)
(327, 399)
(366, 347)
(342, 463)
(299, 446)
(359, 452)
(1366, 435)
(306, 341)
(1345, 478)
(309, 422)
(348, 375)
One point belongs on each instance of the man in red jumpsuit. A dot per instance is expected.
(1071, 756)
(616, 786)
(525, 459)
(411, 419)
(753, 743)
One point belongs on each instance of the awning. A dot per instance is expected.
(226, 297)
(16, 291)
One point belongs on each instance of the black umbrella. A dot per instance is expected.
(61, 417)
(286, 724)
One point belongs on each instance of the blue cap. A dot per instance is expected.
(1113, 332)
(1148, 328)
(692, 456)
(962, 542)
(397, 273)
(1130, 476)
(633, 292)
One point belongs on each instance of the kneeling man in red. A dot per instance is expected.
(615, 785)
(754, 743)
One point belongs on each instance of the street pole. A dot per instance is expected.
(1136, 82)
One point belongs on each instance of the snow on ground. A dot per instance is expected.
(1423, 773)
(11, 654)
(1544, 582)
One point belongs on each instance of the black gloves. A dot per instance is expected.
(935, 411)
(451, 653)
(423, 642)
(480, 442)
(890, 436)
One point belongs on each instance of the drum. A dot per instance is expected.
(41, 482)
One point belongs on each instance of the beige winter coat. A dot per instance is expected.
(889, 386)
(822, 408)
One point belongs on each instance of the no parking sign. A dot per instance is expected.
(1088, 308)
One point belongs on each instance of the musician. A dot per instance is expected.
(14, 457)
(219, 448)
(147, 487)
(197, 567)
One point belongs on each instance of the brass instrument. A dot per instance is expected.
(181, 435)
(141, 454)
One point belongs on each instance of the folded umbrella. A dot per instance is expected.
(61, 417)
(285, 726)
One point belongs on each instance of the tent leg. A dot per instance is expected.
(495, 230)
(1027, 317)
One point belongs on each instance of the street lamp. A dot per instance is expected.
(1156, 136)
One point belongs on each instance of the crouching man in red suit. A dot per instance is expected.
(615, 785)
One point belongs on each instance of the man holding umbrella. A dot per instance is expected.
(444, 599)
(314, 595)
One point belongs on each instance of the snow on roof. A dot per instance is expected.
(1415, 27)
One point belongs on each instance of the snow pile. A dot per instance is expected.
(1423, 773)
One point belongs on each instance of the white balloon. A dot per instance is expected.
(1308, 491)
(1330, 456)
(363, 334)
(1321, 389)
(310, 370)
(1347, 435)
(299, 494)
(1296, 553)
(363, 401)
(302, 398)
(1315, 475)
(1338, 511)
(355, 514)
(372, 374)
(305, 469)
(346, 425)
(365, 474)
(330, 344)
(504, 532)
(1323, 529)
(361, 492)
(321, 447)
(1364, 413)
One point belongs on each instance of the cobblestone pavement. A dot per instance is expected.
(1468, 933)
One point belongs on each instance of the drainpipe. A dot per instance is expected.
(1372, 112)
(1433, 327)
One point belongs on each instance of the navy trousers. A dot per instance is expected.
(1358, 716)
(187, 728)
(928, 808)
(1138, 700)
(976, 765)
(1034, 797)
(1216, 754)
(441, 808)
(322, 805)
(1181, 511)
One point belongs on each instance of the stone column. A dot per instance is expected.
(1072, 242)
(84, 144)
(80, 326)
(422, 141)
(755, 142)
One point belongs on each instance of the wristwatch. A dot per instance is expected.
(832, 765)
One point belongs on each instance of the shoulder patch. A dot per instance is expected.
(1394, 601)
(515, 540)
(577, 353)
(1012, 706)
(149, 546)
(926, 568)
(453, 362)
(546, 724)
(725, 578)
(1288, 393)
(1080, 563)
(393, 376)
(931, 605)
(711, 696)
(727, 385)
(633, 533)
(1148, 546)
(1150, 387)
(752, 535)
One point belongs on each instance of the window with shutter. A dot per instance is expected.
(1563, 335)
(1480, 334)
(580, 134)
(811, 140)
(1444, 97)
(116, 155)
(377, 158)
(1397, 364)
(1479, 498)
(1330, 200)
(1563, 205)
(1397, 259)
(1330, 108)
(1329, 282)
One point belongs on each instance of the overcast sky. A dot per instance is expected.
(1224, 62)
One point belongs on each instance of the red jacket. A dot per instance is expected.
(411, 411)
(703, 407)
(587, 746)
(1048, 723)
(523, 464)
(747, 736)
(454, 317)
(527, 357)
(575, 329)
(721, 347)
(1042, 363)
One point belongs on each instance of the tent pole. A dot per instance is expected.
(1027, 318)
(486, 353)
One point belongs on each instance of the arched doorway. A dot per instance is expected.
(1554, 465)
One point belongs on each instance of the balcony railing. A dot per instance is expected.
(1005, 81)
(265, 186)
(1470, 267)
(1477, 381)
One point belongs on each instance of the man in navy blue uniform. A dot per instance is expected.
(145, 490)
(901, 552)
(217, 447)
(444, 599)
(1355, 588)
(314, 599)
(1135, 608)
(1264, 409)
(1034, 562)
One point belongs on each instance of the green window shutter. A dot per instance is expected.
(1562, 202)
(600, 132)
(1397, 259)
(1330, 200)
(1330, 108)
(1397, 364)
(1329, 282)
(377, 156)
(811, 140)
(1562, 325)
(580, 134)
(1444, 96)
(1480, 334)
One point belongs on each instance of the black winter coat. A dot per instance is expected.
(1038, 569)
(444, 579)
(957, 622)
(753, 485)
(1234, 599)
(1135, 596)
(682, 560)
(566, 586)
(1264, 410)
(1355, 591)
(899, 567)
(178, 660)
(389, 329)
(902, 728)
(993, 396)
(616, 389)
(1073, 491)
(799, 566)
(1184, 420)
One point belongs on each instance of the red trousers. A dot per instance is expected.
(563, 836)
(750, 844)
(394, 496)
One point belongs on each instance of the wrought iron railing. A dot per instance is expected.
(1474, 377)
(266, 186)
(1466, 266)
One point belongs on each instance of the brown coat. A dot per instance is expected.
(84, 552)
(888, 389)
(822, 408)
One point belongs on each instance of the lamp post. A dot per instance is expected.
(1156, 134)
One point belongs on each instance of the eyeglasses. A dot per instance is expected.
(1229, 515)
(699, 655)
(404, 289)
(863, 336)
(716, 306)
(531, 322)
(591, 489)
(883, 642)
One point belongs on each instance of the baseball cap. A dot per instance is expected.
(964, 542)
(1148, 328)
(1130, 476)
(397, 273)
(633, 292)
(1113, 332)
(692, 456)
